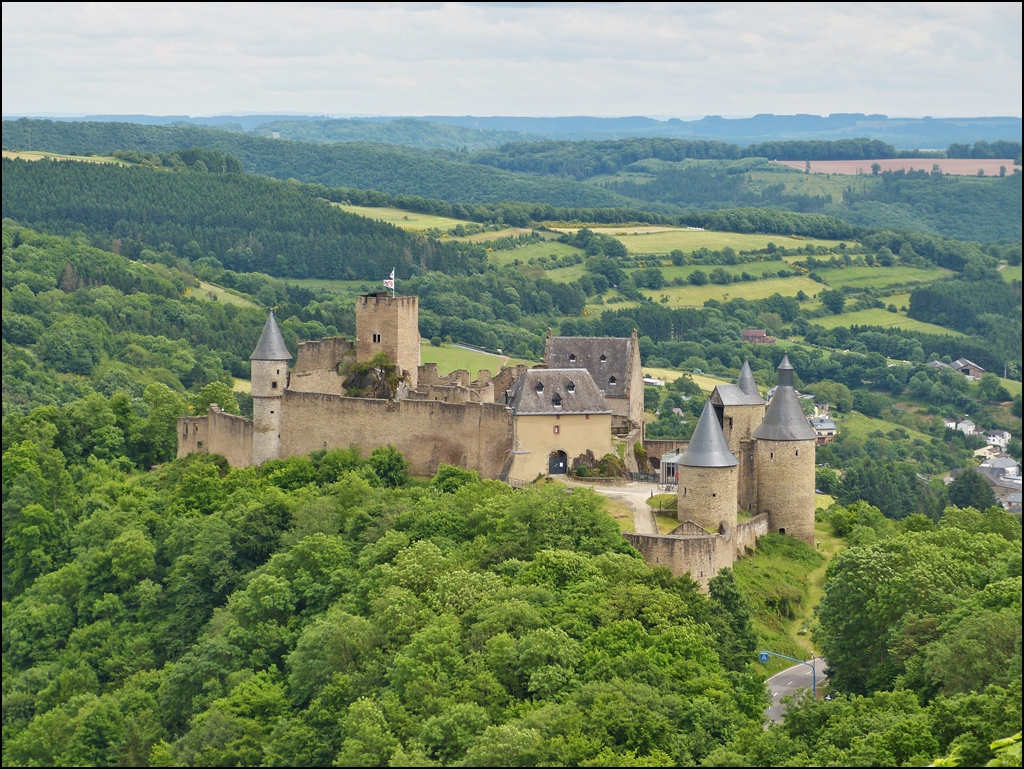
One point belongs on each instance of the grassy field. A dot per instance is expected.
(1011, 274)
(783, 585)
(1012, 385)
(666, 523)
(407, 220)
(857, 425)
(879, 317)
(706, 383)
(242, 386)
(343, 287)
(526, 253)
(799, 183)
(695, 296)
(877, 277)
(453, 358)
(55, 156)
(666, 240)
(216, 293)
(620, 510)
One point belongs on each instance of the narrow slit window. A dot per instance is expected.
(556, 429)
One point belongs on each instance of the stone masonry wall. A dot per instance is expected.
(785, 486)
(703, 557)
(747, 534)
(230, 436)
(428, 433)
(389, 325)
(707, 496)
(316, 369)
(193, 435)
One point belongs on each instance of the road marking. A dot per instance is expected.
(789, 683)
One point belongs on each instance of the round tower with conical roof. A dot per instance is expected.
(784, 462)
(708, 477)
(269, 367)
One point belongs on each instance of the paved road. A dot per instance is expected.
(635, 495)
(788, 681)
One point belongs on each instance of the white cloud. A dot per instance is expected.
(512, 59)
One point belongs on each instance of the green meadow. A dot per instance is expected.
(878, 277)
(1011, 274)
(405, 219)
(879, 317)
(666, 240)
(216, 293)
(450, 358)
(695, 296)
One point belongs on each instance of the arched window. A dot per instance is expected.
(539, 387)
(604, 358)
(570, 387)
(611, 381)
(572, 358)
(556, 401)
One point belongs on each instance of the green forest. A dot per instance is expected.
(661, 176)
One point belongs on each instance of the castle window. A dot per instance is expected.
(604, 358)
(771, 455)
(273, 385)
(271, 412)
(556, 429)
(376, 338)
(199, 445)
(570, 387)
(611, 381)
(572, 358)
(798, 452)
(539, 387)
(279, 371)
(186, 428)
(556, 401)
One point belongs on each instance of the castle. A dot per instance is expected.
(524, 422)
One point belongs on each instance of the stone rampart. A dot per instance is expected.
(428, 433)
(702, 556)
(231, 436)
(193, 435)
(747, 534)
(316, 369)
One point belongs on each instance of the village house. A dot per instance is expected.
(1000, 438)
(825, 428)
(757, 336)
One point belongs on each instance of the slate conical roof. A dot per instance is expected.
(708, 447)
(747, 384)
(271, 345)
(785, 420)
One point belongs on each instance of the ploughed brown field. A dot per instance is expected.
(955, 166)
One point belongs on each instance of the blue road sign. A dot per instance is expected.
(763, 657)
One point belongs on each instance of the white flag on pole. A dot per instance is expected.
(390, 282)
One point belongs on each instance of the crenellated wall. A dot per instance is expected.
(316, 369)
(428, 433)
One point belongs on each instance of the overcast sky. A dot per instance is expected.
(681, 60)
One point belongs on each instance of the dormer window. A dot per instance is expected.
(572, 359)
(570, 387)
(604, 358)
(539, 387)
(556, 401)
(611, 381)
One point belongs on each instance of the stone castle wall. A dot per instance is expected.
(702, 556)
(747, 534)
(316, 368)
(428, 433)
(217, 433)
